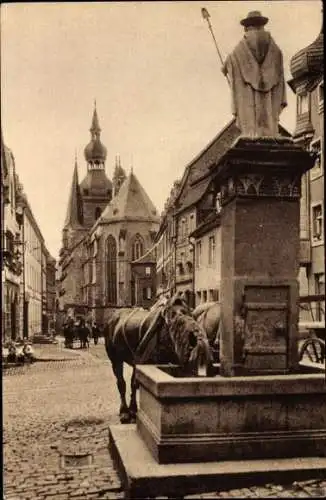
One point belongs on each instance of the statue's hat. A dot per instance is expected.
(254, 18)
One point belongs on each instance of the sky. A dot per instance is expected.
(154, 72)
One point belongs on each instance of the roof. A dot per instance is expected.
(197, 175)
(132, 202)
(309, 60)
(197, 171)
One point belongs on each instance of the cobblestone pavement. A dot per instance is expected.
(56, 416)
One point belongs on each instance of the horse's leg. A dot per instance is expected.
(124, 414)
(133, 399)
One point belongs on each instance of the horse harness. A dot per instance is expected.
(141, 340)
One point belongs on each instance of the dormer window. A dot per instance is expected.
(303, 104)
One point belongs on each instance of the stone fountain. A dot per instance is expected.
(263, 416)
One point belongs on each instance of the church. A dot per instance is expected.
(109, 227)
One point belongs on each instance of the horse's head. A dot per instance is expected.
(188, 337)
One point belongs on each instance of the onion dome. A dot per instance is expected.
(310, 60)
(95, 152)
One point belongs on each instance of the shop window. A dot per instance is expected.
(317, 223)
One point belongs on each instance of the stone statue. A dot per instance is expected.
(256, 75)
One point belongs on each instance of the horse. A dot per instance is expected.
(164, 334)
(82, 332)
(208, 316)
(68, 332)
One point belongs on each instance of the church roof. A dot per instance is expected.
(74, 214)
(132, 202)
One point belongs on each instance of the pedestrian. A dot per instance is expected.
(28, 353)
(95, 332)
(12, 353)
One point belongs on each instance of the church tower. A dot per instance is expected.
(73, 225)
(96, 188)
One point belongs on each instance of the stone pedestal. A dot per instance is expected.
(260, 182)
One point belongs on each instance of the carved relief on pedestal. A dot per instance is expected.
(287, 186)
(260, 185)
(249, 184)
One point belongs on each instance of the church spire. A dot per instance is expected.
(74, 215)
(95, 127)
(119, 176)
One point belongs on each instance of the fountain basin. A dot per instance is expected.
(202, 419)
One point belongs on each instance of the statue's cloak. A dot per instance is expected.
(255, 69)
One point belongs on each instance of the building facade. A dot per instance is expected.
(11, 251)
(24, 272)
(307, 69)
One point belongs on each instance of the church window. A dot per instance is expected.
(137, 248)
(98, 212)
(111, 267)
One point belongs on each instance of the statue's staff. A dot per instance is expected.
(206, 16)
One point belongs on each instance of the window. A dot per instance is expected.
(86, 192)
(137, 248)
(303, 104)
(98, 212)
(147, 293)
(198, 254)
(192, 223)
(147, 271)
(218, 205)
(205, 296)
(317, 223)
(315, 147)
(211, 250)
(321, 94)
(111, 267)
(320, 290)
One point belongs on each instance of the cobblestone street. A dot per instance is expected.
(56, 417)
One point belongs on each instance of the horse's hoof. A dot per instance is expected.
(124, 418)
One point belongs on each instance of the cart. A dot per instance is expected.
(312, 325)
